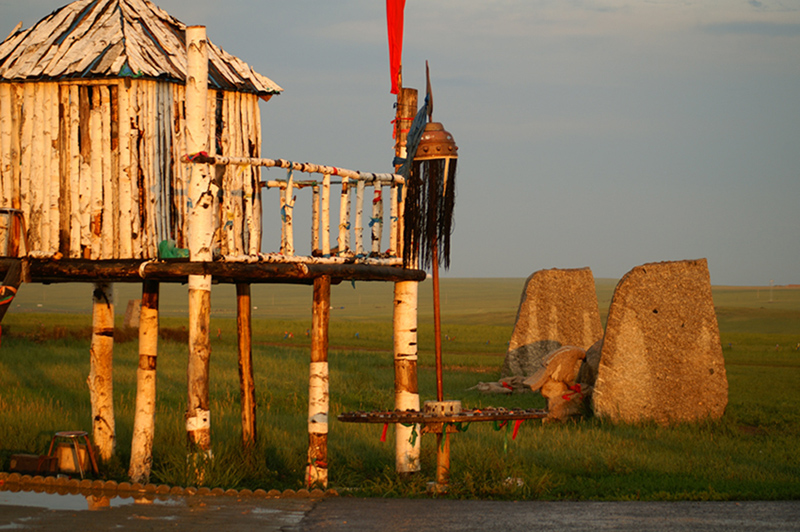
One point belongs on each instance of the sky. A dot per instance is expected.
(592, 133)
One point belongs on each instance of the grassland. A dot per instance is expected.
(750, 454)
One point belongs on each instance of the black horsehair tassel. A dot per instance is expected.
(430, 201)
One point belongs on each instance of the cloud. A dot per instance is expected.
(758, 28)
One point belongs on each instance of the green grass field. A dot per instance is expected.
(750, 454)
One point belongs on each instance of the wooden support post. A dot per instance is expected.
(344, 217)
(100, 382)
(376, 221)
(201, 193)
(442, 462)
(359, 225)
(318, 398)
(406, 395)
(246, 381)
(315, 221)
(144, 420)
(326, 215)
(407, 439)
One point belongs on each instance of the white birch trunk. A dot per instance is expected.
(125, 174)
(74, 173)
(100, 381)
(393, 215)
(96, 127)
(145, 415)
(135, 165)
(315, 219)
(359, 227)
(344, 218)
(288, 210)
(282, 210)
(151, 172)
(45, 175)
(255, 230)
(376, 221)
(201, 228)
(326, 215)
(109, 213)
(407, 439)
(26, 152)
(55, 171)
(6, 122)
(36, 172)
(17, 95)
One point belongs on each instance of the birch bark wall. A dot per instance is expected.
(96, 166)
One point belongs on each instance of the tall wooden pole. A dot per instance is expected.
(404, 323)
(437, 322)
(318, 386)
(201, 226)
(144, 420)
(101, 387)
(246, 380)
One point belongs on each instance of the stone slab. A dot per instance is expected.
(558, 307)
(661, 357)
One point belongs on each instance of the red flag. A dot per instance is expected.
(394, 23)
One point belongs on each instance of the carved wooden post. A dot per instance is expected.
(201, 194)
(246, 381)
(145, 417)
(318, 399)
(407, 439)
(100, 382)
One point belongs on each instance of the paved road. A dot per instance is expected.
(217, 514)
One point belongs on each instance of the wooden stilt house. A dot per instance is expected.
(92, 123)
(115, 150)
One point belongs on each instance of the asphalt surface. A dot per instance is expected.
(41, 511)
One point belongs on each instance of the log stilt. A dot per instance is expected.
(201, 192)
(145, 417)
(100, 380)
(407, 439)
(318, 386)
(406, 396)
(246, 381)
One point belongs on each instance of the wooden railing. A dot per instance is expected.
(355, 240)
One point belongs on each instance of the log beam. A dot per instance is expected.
(137, 270)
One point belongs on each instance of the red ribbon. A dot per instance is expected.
(575, 390)
(383, 434)
(517, 423)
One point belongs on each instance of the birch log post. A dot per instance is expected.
(343, 239)
(326, 215)
(376, 221)
(5, 144)
(406, 394)
(246, 380)
(406, 294)
(359, 226)
(145, 416)
(318, 398)
(101, 389)
(288, 211)
(315, 220)
(198, 415)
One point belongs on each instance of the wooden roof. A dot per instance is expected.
(117, 38)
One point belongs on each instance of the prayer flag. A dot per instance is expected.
(394, 23)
